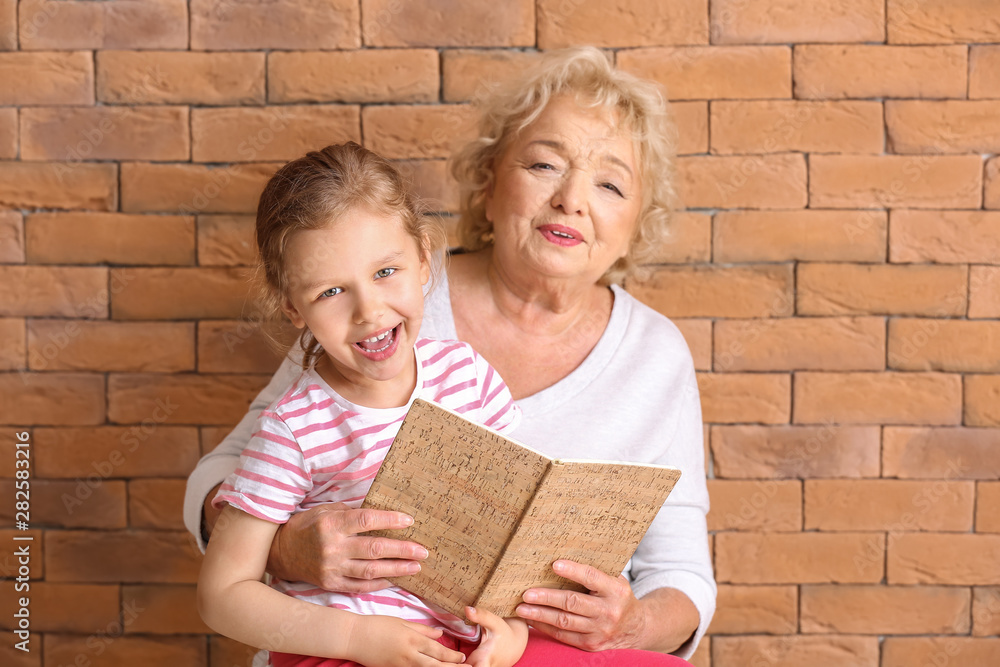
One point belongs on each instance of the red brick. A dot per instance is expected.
(109, 238)
(14, 347)
(689, 241)
(992, 195)
(950, 126)
(875, 70)
(904, 651)
(156, 503)
(9, 566)
(113, 24)
(895, 181)
(226, 240)
(985, 611)
(223, 25)
(961, 346)
(193, 399)
(71, 504)
(935, 453)
(794, 651)
(240, 346)
(74, 345)
(691, 119)
(52, 398)
(945, 236)
(745, 609)
(744, 181)
(982, 400)
(885, 610)
(784, 21)
(225, 652)
(97, 556)
(717, 291)
(429, 180)
(942, 21)
(82, 608)
(943, 558)
(242, 134)
(758, 398)
(795, 451)
(984, 291)
(891, 505)
(146, 450)
(622, 24)
(211, 436)
(988, 508)
(428, 23)
(180, 77)
(114, 649)
(58, 77)
(760, 505)
(873, 289)
(807, 235)
(11, 237)
(716, 72)
(9, 438)
(166, 609)
(798, 558)
(193, 188)
(184, 293)
(57, 185)
(767, 126)
(698, 336)
(469, 74)
(396, 75)
(984, 72)
(8, 134)
(878, 398)
(43, 291)
(8, 29)
(419, 131)
(813, 343)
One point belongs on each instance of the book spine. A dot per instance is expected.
(487, 589)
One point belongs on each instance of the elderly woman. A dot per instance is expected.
(566, 192)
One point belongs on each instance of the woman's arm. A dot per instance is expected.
(233, 601)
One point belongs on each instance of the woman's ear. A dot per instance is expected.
(293, 315)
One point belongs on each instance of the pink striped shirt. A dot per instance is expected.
(312, 446)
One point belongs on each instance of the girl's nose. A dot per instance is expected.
(367, 309)
(571, 194)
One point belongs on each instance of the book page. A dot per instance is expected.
(466, 488)
(590, 512)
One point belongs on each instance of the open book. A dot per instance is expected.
(495, 514)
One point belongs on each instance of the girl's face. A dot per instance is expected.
(358, 285)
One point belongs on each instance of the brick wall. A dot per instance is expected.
(836, 272)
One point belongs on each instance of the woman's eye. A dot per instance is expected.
(333, 291)
(612, 188)
(384, 273)
(542, 165)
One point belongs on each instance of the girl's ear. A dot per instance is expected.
(290, 311)
(425, 265)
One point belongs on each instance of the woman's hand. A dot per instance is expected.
(393, 642)
(321, 546)
(503, 641)
(609, 617)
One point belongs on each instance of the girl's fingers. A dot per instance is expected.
(485, 618)
(425, 630)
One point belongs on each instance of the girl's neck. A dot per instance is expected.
(379, 394)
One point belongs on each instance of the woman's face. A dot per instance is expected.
(567, 193)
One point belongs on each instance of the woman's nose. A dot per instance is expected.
(571, 195)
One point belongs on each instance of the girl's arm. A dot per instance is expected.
(233, 601)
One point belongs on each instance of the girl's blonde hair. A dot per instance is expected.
(312, 192)
(586, 74)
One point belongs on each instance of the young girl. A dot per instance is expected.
(345, 255)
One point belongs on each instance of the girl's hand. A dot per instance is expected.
(393, 642)
(503, 639)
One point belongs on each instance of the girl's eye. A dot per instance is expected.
(333, 291)
(384, 273)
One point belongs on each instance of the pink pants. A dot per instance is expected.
(542, 651)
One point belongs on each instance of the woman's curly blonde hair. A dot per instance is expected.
(586, 74)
